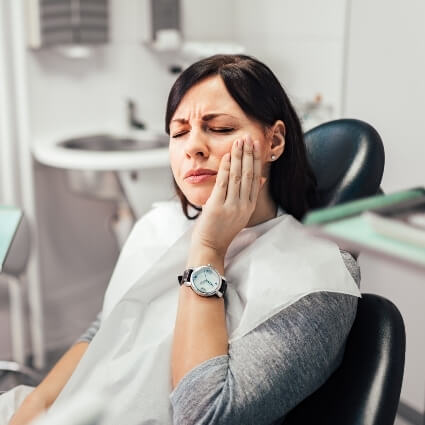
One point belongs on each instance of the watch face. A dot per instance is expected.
(205, 280)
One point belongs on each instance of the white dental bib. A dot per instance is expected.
(268, 267)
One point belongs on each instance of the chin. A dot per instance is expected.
(198, 196)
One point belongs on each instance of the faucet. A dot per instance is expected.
(131, 113)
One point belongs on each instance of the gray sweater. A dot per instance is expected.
(272, 368)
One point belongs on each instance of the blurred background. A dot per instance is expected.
(83, 89)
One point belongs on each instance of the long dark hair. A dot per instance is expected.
(258, 92)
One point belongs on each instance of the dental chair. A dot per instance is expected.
(348, 160)
(347, 157)
(12, 274)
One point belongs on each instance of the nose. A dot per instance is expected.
(196, 144)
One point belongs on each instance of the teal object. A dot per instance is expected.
(324, 215)
(345, 224)
(10, 217)
(357, 229)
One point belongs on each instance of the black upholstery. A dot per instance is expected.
(347, 157)
(365, 389)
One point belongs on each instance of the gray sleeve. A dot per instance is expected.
(91, 331)
(351, 265)
(271, 369)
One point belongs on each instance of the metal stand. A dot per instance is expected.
(17, 329)
(9, 366)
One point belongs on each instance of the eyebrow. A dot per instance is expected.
(207, 118)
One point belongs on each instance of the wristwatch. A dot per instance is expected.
(204, 280)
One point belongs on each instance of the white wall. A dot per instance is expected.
(301, 40)
(9, 175)
(83, 95)
(385, 86)
(204, 20)
(90, 94)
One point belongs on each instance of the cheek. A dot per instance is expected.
(221, 149)
(175, 156)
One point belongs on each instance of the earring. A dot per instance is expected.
(273, 157)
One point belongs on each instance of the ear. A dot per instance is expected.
(277, 140)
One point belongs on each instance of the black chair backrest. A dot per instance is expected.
(365, 389)
(347, 157)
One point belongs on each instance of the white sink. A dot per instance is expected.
(104, 152)
(108, 143)
(112, 166)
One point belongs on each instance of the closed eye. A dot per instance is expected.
(179, 134)
(213, 129)
(221, 129)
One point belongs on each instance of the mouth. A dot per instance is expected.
(200, 175)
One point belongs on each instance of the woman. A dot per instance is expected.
(239, 166)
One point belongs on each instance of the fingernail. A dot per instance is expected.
(238, 143)
(263, 180)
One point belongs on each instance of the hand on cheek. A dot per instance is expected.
(233, 198)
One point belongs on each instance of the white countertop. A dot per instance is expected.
(48, 152)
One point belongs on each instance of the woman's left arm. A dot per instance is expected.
(272, 368)
(200, 331)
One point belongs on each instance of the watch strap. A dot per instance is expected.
(185, 277)
(223, 286)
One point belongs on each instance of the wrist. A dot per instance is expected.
(202, 255)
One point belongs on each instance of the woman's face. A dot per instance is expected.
(205, 125)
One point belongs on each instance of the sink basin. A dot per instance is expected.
(99, 151)
(107, 143)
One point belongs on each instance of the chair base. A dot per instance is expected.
(16, 367)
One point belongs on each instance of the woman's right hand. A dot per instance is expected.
(30, 408)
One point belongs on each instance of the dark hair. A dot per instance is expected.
(260, 95)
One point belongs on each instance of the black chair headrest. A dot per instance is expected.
(347, 157)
